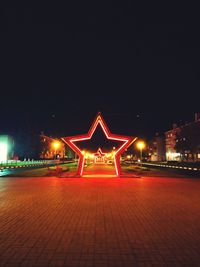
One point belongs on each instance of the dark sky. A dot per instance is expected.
(139, 66)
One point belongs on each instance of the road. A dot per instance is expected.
(7, 172)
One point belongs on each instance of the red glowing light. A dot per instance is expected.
(100, 153)
(127, 141)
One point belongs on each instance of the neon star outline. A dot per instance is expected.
(100, 152)
(127, 141)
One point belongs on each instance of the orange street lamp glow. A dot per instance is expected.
(56, 144)
(140, 145)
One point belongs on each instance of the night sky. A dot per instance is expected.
(139, 66)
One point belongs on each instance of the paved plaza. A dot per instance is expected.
(99, 222)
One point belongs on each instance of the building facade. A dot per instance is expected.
(170, 141)
(54, 148)
(48, 149)
(156, 148)
(183, 142)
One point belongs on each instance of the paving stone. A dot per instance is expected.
(95, 222)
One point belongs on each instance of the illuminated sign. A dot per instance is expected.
(127, 141)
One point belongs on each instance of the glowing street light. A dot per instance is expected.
(140, 145)
(55, 145)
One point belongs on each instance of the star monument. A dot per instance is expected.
(125, 140)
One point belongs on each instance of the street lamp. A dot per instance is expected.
(56, 145)
(140, 146)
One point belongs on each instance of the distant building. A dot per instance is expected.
(183, 142)
(170, 141)
(156, 148)
(48, 150)
(6, 148)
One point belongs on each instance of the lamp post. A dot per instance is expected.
(55, 145)
(140, 146)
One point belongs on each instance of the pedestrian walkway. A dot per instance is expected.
(99, 170)
(111, 222)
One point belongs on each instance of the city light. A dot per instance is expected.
(56, 145)
(3, 151)
(173, 156)
(140, 145)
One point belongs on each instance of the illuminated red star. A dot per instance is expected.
(100, 153)
(127, 141)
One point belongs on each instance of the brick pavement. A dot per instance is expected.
(99, 222)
